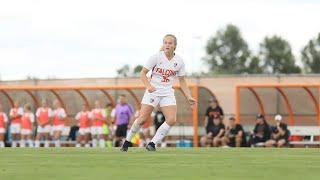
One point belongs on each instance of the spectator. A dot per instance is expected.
(121, 117)
(44, 115)
(84, 122)
(234, 136)
(158, 120)
(215, 132)
(59, 115)
(280, 134)
(261, 131)
(3, 125)
(98, 119)
(15, 123)
(213, 110)
(27, 121)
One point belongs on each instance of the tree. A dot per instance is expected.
(137, 70)
(277, 57)
(124, 71)
(310, 56)
(254, 66)
(227, 51)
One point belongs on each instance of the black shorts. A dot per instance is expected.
(121, 130)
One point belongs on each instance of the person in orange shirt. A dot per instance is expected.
(144, 131)
(84, 118)
(3, 125)
(27, 121)
(44, 115)
(15, 123)
(59, 115)
(98, 119)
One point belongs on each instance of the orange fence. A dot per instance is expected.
(298, 100)
(4, 89)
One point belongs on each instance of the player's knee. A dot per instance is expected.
(171, 121)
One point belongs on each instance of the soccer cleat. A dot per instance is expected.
(125, 146)
(151, 146)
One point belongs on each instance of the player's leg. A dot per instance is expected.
(23, 138)
(225, 141)
(29, 139)
(80, 137)
(2, 131)
(238, 141)
(270, 143)
(56, 135)
(101, 137)
(94, 136)
(87, 137)
(170, 114)
(38, 137)
(281, 143)
(145, 113)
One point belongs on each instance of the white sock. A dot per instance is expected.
(102, 143)
(161, 133)
(22, 143)
(1, 144)
(30, 143)
(36, 143)
(57, 143)
(78, 145)
(94, 143)
(46, 144)
(87, 145)
(133, 130)
(14, 144)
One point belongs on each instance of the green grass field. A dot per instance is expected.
(169, 163)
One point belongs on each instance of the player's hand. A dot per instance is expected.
(192, 102)
(151, 89)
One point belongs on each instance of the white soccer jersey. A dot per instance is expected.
(163, 72)
(60, 113)
(42, 109)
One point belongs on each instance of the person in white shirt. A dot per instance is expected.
(84, 121)
(15, 123)
(164, 66)
(27, 121)
(3, 125)
(44, 116)
(59, 116)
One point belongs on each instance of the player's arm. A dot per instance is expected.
(186, 91)
(145, 81)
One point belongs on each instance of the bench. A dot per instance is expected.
(303, 131)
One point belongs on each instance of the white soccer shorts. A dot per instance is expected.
(162, 101)
(26, 131)
(57, 128)
(45, 129)
(83, 131)
(15, 128)
(2, 130)
(96, 130)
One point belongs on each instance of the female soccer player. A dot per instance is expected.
(98, 119)
(27, 121)
(44, 115)
(84, 118)
(3, 125)
(59, 115)
(15, 123)
(165, 65)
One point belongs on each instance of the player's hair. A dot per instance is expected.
(174, 38)
(27, 106)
